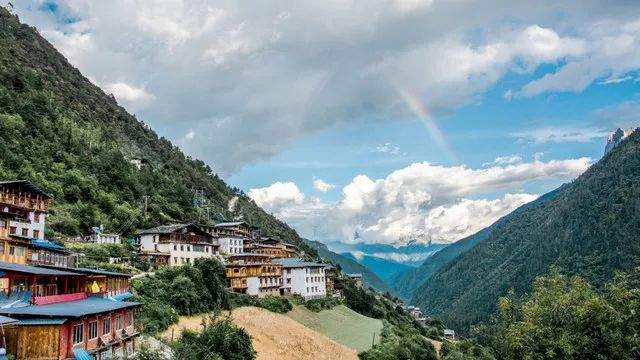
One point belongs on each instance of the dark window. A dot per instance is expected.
(78, 333)
(93, 330)
(118, 322)
(106, 326)
(25, 232)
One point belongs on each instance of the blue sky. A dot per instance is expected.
(403, 120)
(477, 133)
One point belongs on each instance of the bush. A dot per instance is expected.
(325, 303)
(275, 304)
(219, 339)
(157, 317)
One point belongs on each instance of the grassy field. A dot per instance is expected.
(340, 324)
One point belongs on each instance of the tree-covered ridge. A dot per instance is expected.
(590, 228)
(62, 132)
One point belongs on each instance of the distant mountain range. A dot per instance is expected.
(349, 265)
(589, 227)
(384, 260)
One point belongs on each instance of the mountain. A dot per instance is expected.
(349, 266)
(383, 268)
(591, 227)
(616, 137)
(62, 132)
(405, 283)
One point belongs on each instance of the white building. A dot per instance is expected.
(230, 245)
(100, 237)
(181, 243)
(307, 279)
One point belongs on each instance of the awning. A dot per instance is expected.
(81, 354)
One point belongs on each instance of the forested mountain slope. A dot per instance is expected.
(350, 266)
(405, 283)
(591, 227)
(65, 134)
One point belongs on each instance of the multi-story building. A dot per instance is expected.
(254, 274)
(49, 253)
(176, 244)
(25, 205)
(270, 246)
(22, 218)
(58, 313)
(357, 278)
(303, 278)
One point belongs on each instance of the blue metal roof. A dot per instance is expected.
(47, 245)
(122, 297)
(82, 354)
(41, 321)
(78, 308)
(27, 269)
(7, 320)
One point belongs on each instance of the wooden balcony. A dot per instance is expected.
(187, 238)
(33, 204)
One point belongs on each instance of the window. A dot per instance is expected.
(19, 250)
(130, 319)
(1, 247)
(93, 330)
(106, 326)
(175, 247)
(25, 232)
(12, 229)
(36, 233)
(181, 247)
(36, 217)
(118, 322)
(12, 250)
(78, 334)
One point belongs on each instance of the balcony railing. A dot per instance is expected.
(24, 202)
(54, 299)
(187, 238)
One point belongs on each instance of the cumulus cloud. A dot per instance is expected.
(322, 186)
(422, 201)
(274, 73)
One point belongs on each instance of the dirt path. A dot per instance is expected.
(276, 336)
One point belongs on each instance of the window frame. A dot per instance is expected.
(75, 331)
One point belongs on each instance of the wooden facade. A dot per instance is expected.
(105, 336)
(246, 270)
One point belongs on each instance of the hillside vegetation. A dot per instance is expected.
(341, 324)
(591, 228)
(62, 132)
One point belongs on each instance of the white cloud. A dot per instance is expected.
(322, 186)
(128, 94)
(388, 148)
(431, 202)
(276, 73)
(504, 160)
(277, 195)
(562, 134)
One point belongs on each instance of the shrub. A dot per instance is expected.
(219, 339)
(275, 304)
(325, 303)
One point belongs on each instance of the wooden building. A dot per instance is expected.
(254, 274)
(24, 205)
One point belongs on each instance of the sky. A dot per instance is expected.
(399, 119)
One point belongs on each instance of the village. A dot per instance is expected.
(52, 308)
